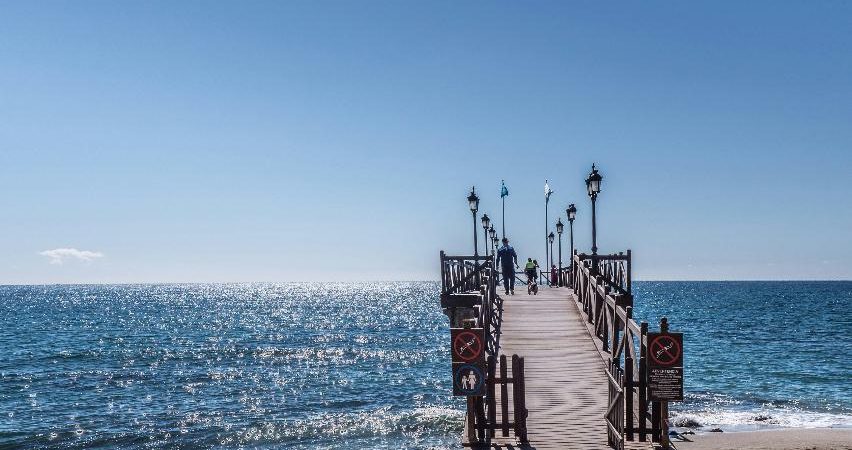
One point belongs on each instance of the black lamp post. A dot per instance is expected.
(593, 186)
(550, 238)
(486, 222)
(559, 228)
(493, 233)
(572, 214)
(473, 202)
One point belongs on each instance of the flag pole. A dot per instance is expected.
(546, 202)
(503, 193)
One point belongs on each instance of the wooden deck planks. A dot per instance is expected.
(566, 382)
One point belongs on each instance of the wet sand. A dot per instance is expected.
(785, 439)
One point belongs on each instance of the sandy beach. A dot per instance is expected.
(785, 439)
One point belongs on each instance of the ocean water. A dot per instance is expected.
(758, 354)
(365, 365)
(302, 366)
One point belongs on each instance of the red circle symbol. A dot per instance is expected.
(467, 346)
(665, 350)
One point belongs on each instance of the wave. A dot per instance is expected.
(767, 417)
(426, 427)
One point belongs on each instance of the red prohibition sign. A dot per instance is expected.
(467, 345)
(665, 350)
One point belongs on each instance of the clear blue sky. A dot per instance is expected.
(252, 141)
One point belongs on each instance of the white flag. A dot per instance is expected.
(547, 190)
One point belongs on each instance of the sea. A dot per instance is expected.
(366, 365)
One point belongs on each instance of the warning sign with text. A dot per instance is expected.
(665, 366)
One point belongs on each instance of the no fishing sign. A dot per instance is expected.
(665, 366)
(468, 344)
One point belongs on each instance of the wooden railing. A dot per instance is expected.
(566, 276)
(603, 287)
(469, 297)
(460, 274)
(471, 282)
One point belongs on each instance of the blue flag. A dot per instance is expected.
(503, 191)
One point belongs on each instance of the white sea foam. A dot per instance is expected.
(760, 418)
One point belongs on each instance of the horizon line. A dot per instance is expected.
(756, 280)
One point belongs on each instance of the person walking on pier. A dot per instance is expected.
(508, 261)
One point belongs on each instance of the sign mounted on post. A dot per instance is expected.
(468, 349)
(665, 366)
(468, 344)
(469, 379)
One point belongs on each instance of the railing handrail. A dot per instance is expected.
(464, 273)
(602, 284)
(615, 270)
(468, 257)
(612, 256)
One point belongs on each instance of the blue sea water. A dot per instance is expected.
(365, 365)
(759, 353)
(303, 366)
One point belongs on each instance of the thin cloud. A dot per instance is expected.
(60, 255)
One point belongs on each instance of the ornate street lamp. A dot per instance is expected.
(550, 238)
(593, 186)
(494, 240)
(572, 214)
(473, 202)
(559, 228)
(486, 222)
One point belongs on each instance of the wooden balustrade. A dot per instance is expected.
(602, 284)
(470, 283)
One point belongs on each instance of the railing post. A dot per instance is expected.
(605, 322)
(629, 272)
(614, 328)
(481, 423)
(664, 405)
(443, 275)
(492, 391)
(518, 389)
(628, 373)
(471, 420)
(643, 386)
(628, 395)
(504, 396)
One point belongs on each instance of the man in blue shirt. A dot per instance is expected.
(506, 258)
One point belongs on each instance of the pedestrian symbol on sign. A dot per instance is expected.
(468, 380)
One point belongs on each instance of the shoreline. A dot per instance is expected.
(770, 439)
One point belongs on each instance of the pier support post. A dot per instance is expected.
(664, 406)
(643, 381)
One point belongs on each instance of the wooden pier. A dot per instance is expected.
(566, 382)
(579, 373)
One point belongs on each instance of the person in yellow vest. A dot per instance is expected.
(529, 269)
